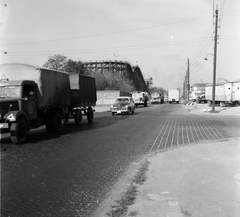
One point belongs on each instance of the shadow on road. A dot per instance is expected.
(40, 134)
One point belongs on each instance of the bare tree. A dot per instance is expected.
(56, 62)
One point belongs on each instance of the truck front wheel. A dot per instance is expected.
(90, 115)
(19, 131)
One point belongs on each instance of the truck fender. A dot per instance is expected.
(13, 116)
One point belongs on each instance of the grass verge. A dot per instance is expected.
(128, 198)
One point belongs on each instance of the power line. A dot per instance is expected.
(204, 46)
(109, 48)
(103, 34)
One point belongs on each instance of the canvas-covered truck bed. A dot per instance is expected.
(83, 90)
(53, 87)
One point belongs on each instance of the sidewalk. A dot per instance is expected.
(198, 181)
(203, 109)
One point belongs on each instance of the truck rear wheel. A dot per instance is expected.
(53, 122)
(18, 131)
(90, 115)
(78, 117)
(56, 122)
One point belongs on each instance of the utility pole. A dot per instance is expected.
(215, 61)
(188, 83)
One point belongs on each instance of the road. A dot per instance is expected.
(70, 174)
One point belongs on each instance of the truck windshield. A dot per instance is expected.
(10, 91)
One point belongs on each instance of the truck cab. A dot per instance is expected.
(17, 108)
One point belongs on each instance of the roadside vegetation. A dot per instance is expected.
(120, 208)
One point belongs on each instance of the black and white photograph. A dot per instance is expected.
(120, 108)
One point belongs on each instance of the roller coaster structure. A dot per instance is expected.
(122, 68)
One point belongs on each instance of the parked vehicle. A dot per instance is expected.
(197, 92)
(173, 96)
(123, 105)
(140, 98)
(201, 99)
(224, 93)
(155, 100)
(32, 96)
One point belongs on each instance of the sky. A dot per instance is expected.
(159, 36)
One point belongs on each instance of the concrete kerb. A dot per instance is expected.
(203, 109)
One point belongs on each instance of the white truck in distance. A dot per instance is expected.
(173, 96)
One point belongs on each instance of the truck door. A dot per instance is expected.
(29, 102)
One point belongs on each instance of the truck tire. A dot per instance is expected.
(53, 122)
(18, 131)
(56, 122)
(90, 115)
(78, 117)
(47, 122)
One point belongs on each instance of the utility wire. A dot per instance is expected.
(103, 34)
(109, 48)
(204, 46)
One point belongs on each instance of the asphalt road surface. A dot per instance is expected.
(70, 174)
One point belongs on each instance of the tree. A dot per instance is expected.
(56, 62)
(75, 67)
(158, 90)
(111, 81)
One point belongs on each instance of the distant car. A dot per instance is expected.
(155, 100)
(123, 105)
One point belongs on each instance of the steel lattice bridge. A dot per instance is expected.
(122, 68)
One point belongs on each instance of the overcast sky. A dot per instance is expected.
(157, 35)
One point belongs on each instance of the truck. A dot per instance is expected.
(225, 93)
(173, 96)
(140, 98)
(32, 96)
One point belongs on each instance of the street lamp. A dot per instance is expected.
(207, 56)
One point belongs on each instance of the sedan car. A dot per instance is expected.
(155, 100)
(123, 105)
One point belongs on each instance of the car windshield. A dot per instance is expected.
(10, 91)
(122, 100)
